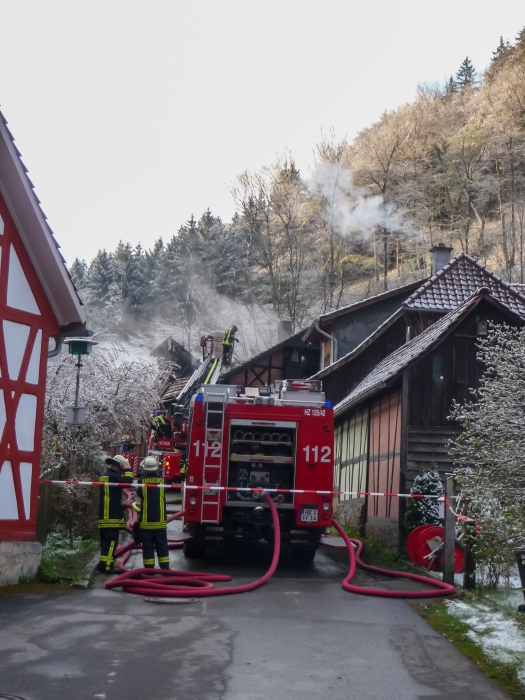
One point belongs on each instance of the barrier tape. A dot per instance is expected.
(241, 488)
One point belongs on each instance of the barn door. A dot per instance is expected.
(384, 456)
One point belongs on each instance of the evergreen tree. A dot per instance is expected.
(424, 511)
(78, 272)
(466, 74)
(123, 257)
(451, 87)
(139, 279)
(104, 299)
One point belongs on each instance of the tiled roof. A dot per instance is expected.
(457, 281)
(411, 351)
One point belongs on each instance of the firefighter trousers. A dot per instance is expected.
(108, 545)
(155, 540)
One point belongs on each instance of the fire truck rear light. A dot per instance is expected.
(325, 516)
(193, 501)
(328, 427)
(326, 498)
(326, 506)
(199, 421)
(280, 498)
(192, 511)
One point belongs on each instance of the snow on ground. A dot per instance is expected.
(500, 636)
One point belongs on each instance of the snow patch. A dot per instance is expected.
(501, 638)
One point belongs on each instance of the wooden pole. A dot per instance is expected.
(450, 530)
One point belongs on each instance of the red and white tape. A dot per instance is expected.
(239, 488)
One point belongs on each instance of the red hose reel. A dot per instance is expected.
(425, 547)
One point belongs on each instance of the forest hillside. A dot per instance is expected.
(448, 166)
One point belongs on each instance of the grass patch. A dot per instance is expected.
(62, 563)
(456, 631)
(374, 552)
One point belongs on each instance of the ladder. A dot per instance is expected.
(193, 382)
(216, 402)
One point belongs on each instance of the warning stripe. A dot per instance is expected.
(243, 488)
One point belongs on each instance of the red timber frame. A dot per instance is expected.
(20, 523)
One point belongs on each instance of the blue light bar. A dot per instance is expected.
(327, 403)
(198, 398)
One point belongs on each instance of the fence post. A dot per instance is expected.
(450, 530)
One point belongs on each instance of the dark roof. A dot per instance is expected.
(457, 281)
(401, 358)
(326, 318)
(362, 346)
(170, 349)
(31, 223)
(254, 360)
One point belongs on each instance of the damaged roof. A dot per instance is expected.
(37, 237)
(457, 281)
(408, 353)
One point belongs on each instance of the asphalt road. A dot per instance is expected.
(300, 637)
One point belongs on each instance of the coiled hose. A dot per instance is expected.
(195, 584)
(187, 584)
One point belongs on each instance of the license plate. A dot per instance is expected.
(309, 515)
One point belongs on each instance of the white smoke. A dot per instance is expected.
(347, 206)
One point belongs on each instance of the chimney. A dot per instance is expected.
(284, 330)
(440, 256)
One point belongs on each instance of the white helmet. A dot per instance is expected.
(149, 464)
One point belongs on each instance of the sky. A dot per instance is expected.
(131, 116)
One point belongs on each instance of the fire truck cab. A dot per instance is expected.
(243, 440)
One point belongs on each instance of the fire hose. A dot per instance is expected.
(187, 584)
(194, 584)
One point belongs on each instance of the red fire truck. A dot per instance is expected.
(253, 438)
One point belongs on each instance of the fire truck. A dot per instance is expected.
(245, 440)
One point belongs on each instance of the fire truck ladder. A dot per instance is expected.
(214, 426)
(194, 381)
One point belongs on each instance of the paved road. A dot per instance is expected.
(301, 637)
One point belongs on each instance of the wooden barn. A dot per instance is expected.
(38, 302)
(394, 422)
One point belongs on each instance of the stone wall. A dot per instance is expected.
(18, 559)
(385, 530)
(350, 512)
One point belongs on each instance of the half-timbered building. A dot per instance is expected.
(38, 304)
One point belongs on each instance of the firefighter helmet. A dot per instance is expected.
(150, 464)
(118, 461)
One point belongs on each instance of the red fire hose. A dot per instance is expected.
(355, 558)
(187, 584)
(195, 584)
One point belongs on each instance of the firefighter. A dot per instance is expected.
(161, 427)
(227, 344)
(111, 510)
(152, 524)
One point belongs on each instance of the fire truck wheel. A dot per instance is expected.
(194, 550)
(304, 556)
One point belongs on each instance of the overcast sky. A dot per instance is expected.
(131, 116)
